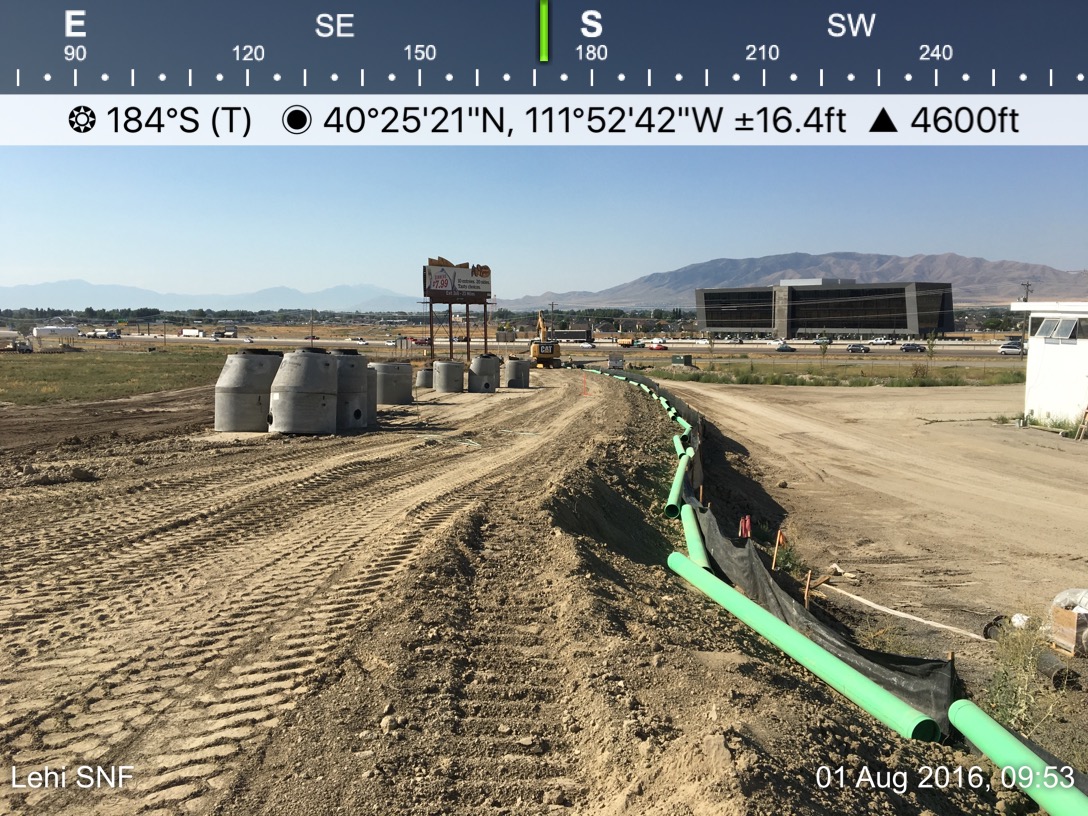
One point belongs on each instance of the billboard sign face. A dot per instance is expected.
(457, 284)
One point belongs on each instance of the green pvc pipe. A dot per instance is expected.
(685, 435)
(1018, 763)
(683, 423)
(644, 387)
(678, 443)
(672, 507)
(848, 681)
(694, 537)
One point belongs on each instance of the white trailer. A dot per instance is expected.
(65, 332)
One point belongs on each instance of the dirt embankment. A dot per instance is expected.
(465, 612)
(941, 512)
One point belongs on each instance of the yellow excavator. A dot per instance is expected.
(544, 350)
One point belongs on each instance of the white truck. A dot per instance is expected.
(882, 341)
(191, 333)
(14, 341)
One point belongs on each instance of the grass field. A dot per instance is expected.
(35, 379)
(894, 374)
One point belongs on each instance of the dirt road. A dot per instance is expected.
(944, 512)
(169, 611)
(464, 612)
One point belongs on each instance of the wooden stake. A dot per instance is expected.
(808, 583)
(701, 495)
(774, 558)
(1083, 426)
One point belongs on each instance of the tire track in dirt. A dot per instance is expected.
(182, 682)
(164, 551)
(217, 483)
(209, 545)
(127, 538)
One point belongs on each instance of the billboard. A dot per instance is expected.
(445, 283)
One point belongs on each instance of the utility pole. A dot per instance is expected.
(552, 318)
(1023, 325)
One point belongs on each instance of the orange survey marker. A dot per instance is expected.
(745, 529)
(779, 541)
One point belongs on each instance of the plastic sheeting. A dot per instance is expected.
(927, 685)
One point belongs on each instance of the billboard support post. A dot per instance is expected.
(430, 316)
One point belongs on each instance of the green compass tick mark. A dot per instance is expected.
(543, 30)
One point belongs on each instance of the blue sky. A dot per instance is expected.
(223, 220)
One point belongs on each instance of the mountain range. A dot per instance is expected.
(975, 282)
(77, 295)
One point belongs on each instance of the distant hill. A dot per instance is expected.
(77, 295)
(975, 281)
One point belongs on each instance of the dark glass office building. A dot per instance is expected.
(810, 307)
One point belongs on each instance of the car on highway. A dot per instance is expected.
(361, 342)
(1011, 348)
(857, 348)
(247, 339)
(390, 342)
(882, 341)
(311, 337)
(784, 347)
(657, 347)
(912, 347)
(588, 345)
(702, 341)
(822, 341)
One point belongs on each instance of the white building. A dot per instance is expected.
(1057, 375)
